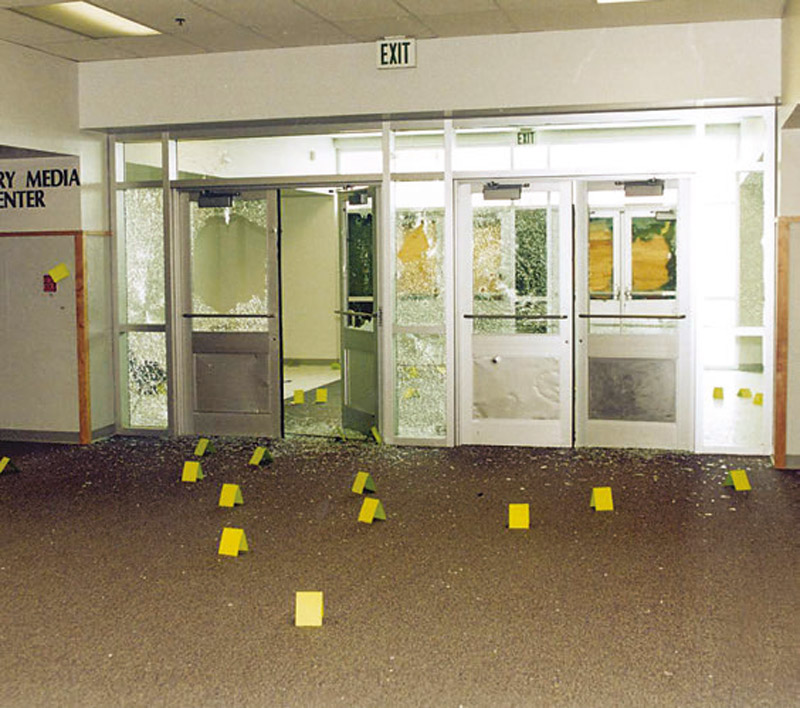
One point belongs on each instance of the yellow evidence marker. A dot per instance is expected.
(758, 399)
(738, 480)
(376, 435)
(718, 393)
(232, 542)
(744, 393)
(298, 397)
(308, 609)
(204, 445)
(601, 499)
(230, 495)
(519, 516)
(322, 395)
(261, 456)
(371, 509)
(192, 472)
(58, 273)
(6, 465)
(363, 482)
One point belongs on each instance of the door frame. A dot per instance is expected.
(177, 282)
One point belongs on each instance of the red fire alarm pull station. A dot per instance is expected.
(50, 285)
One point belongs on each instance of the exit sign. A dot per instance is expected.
(396, 53)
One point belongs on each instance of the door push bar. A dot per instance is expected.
(514, 317)
(633, 317)
(231, 317)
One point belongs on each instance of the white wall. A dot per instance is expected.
(663, 65)
(38, 368)
(310, 266)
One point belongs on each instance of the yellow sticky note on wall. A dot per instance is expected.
(744, 393)
(601, 499)
(371, 509)
(192, 472)
(232, 542)
(58, 273)
(758, 399)
(519, 516)
(230, 495)
(308, 609)
(738, 480)
(362, 482)
(718, 393)
(299, 396)
(322, 395)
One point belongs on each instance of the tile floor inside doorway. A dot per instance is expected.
(114, 594)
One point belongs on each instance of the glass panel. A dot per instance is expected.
(483, 150)
(516, 387)
(360, 265)
(653, 257)
(601, 258)
(257, 157)
(229, 265)
(751, 252)
(142, 285)
(146, 354)
(418, 152)
(419, 240)
(141, 162)
(359, 154)
(515, 265)
(632, 389)
(421, 386)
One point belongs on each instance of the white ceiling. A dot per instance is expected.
(237, 25)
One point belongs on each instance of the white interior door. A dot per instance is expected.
(514, 314)
(231, 365)
(633, 354)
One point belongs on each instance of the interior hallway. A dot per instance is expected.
(114, 595)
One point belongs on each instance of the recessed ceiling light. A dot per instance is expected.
(86, 19)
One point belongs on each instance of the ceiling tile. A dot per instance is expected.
(469, 23)
(85, 50)
(26, 30)
(339, 10)
(227, 38)
(161, 14)
(371, 30)
(447, 7)
(282, 14)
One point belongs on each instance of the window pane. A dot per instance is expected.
(142, 162)
(601, 258)
(653, 256)
(419, 243)
(146, 356)
(142, 229)
(229, 265)
(751, 252)
(421, 391)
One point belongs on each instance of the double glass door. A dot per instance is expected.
(573, 335)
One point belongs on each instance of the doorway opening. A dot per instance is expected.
(329, 312)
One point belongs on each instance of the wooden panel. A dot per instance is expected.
(82, 335)
(781, 340)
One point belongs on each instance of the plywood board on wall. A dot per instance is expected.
(38, 356)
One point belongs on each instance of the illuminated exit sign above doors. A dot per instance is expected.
(396, 53)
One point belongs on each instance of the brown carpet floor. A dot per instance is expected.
(112, 592)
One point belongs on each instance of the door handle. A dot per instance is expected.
(585, 315)
(353, 313)
(470, 316)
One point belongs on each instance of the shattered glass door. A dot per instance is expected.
(230, 296)
(515, 316)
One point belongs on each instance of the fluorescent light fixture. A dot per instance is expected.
(86, 19)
